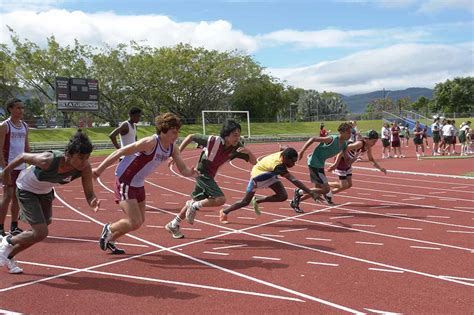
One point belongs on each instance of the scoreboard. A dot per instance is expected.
(77, 94)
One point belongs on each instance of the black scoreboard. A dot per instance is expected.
(77, 94)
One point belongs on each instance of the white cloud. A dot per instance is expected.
(33, 5)
(107, 27)
(394, 67)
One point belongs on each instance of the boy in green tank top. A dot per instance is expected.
(328, 147)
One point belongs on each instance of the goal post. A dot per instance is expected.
(225, 112)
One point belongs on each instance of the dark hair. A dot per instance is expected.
(344, 127)
(229, 127)
(167, 121)
(290, 153)
(134, 111)
(372, 134)
(322, 126)
(11, 102)
(79, 143)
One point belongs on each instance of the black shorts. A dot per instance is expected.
(385, 143)
(317, 175)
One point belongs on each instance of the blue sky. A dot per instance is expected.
(346, 46)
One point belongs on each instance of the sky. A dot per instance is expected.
(344, 46)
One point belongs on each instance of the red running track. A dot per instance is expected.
(398, 243)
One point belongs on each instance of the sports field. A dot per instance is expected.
(396, 243)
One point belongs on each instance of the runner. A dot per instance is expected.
(140, 160)
(35, 192)
(217, 150)
(265, 174)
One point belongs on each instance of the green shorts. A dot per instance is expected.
(35, 208)
(206, 187)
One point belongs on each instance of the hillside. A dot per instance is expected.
(357, 103)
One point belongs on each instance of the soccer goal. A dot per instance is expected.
(210, 117)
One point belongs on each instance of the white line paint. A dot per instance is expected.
(216, 253)
(369, 243)
(170, 203)
(460, 187)
(55, 206)
(272, 235)
(230, 246)
(380, 207)
(319, 239)
(382, 312)
(389, 196)
(247, 218)
(409, 228)
(458, 278)
(386, 270)
(190, 229)
(436, 192)
(293, 230)
(342, 217)
(322, 264)
(425, 247)
(438, 216)
(364, 194)
(212, 215)
(464, 232)
(5, 312)
(397, 214)
(364, 225)
(468, 208)
(71, 220)
(265, 258)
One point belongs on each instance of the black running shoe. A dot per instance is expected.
(105, 237)
(2, 233)
(16, 231)
(328, 200)
(297, 197)
(114, 249)
(295, 207)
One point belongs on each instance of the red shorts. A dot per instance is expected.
(14, 176)
(126, 192)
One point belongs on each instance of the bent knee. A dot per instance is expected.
(219, 201)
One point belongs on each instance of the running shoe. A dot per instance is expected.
(223, 217)
(255, 206)
(296, 197)
(190, 212)
(13, 267)
(114, 249)
(328, 200)
(296, 207)
(175, 232)
(105, 237)
(16, 231)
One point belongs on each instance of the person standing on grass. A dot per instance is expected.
(418, 140)
(265, 174)
(140, 160)
(217, 150)
(13, 142)
(35, 192)
(343, 166)
(328, 147)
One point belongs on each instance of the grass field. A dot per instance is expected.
(296, 128)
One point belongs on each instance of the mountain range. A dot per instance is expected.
(357, 103)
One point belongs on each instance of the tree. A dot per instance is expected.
(455, 96)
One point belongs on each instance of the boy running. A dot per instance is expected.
(265, 174)
(140, 160)
(217, 150)
(35, 192)
(327, 148)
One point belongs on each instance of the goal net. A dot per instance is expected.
(212, 120)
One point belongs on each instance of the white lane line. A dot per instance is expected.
(342, 217)
(416, 198)
(216, 253)
(382, 312)
(468, 208)
(386, 270)
(265, 258)
(436, 192)
(167, 195)
(9, 312)
(293, 230)
(390, 196)
(425, 247)
(465, 232)
(380, 207)
(283, 208)
(457, 278)
(319, 239)
(67, 190)
(409, 228)
(321, 263)
(364, 194)
(459, 187)
(364, 225)
(369, 243)
(183, 228)
(247, 218)
(272, 235)
(171, 203)
(230, 246)
(93, 241)
(55, 206)
(71, 220)
(438, 216)
(211, 215)
(399, 214)
(186, 284)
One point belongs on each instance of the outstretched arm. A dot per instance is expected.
(295, 181)
(374, 162)
(88, 188)
(182, 167)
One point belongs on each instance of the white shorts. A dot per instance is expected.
(342, 173)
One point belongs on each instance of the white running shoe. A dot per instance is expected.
(5, 249)
(13, 267)
(190, 212)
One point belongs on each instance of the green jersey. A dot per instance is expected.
(324, 151)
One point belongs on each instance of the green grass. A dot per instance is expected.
(297, 128)
(470, 174)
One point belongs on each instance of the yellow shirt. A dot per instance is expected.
(272, 163)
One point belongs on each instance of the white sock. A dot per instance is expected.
(175, 221)
(197, 205)
(329, 194)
